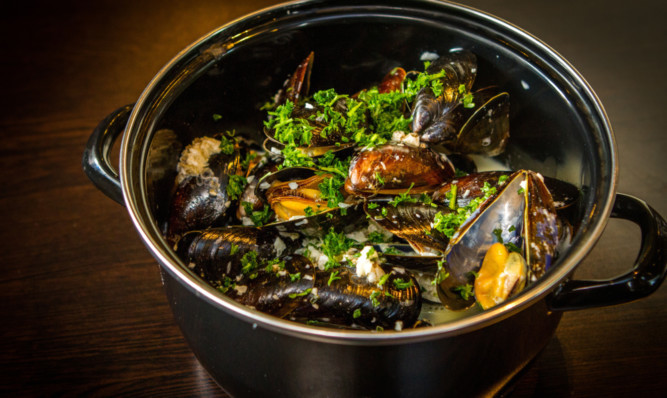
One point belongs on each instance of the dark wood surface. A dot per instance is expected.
(83, 311)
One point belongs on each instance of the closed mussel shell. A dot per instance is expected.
(393, 168)
(352, 300)
(217, 252)
(201, 201)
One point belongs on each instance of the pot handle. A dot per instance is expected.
(96, 162)
(643, 279)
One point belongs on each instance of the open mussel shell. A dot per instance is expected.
(522, 213)
(540, 227)
(393, 168)
(484, 128)
(471, 242)
(410, 221)
(344, 217)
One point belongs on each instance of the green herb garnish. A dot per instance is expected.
(465, 291)
(383, 279)
(235, 186)
(260, 217)
(374, 298)
(332, 277)
(400, 284)
(304, 293)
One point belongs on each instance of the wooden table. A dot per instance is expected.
(83, 312)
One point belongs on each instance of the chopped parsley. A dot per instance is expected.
(275, 265)
(376, 237)
(225, 284)
(330, 187)
(427, 200)
(216, 117)
(228, 143)
(442, 273)
(247, 159)
(235, 186)
(374, 298)
(400, 284)
(379, 178)
(332, 277)
(465, 291)
(295, 277)
(451, 196)
(383, 279)
(403, 198)
(357, 313)
(391, 250)
(249, 262)
(498, 234)
(511, 247)
(304, 293)
(333, 245)
(449, 223)
(260, 217)
(467, 99)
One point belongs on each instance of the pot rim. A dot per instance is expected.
(547, 283)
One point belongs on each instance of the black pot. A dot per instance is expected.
(559, 128)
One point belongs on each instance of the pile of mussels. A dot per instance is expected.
(358, 209)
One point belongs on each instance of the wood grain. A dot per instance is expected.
(83, 312)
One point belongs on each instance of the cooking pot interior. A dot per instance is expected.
(556, 127)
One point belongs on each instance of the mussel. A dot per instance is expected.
(483, 127)
(201, 197)
(520, 215)
(502, 274)
(393, 169)
(410, 220)
(217, 252)
(295, 196)
(292, 97)
(430, 113)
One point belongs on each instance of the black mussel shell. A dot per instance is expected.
(202, 201)
(277, 290)
(352, 300)
(410, 221)
(217, 252)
